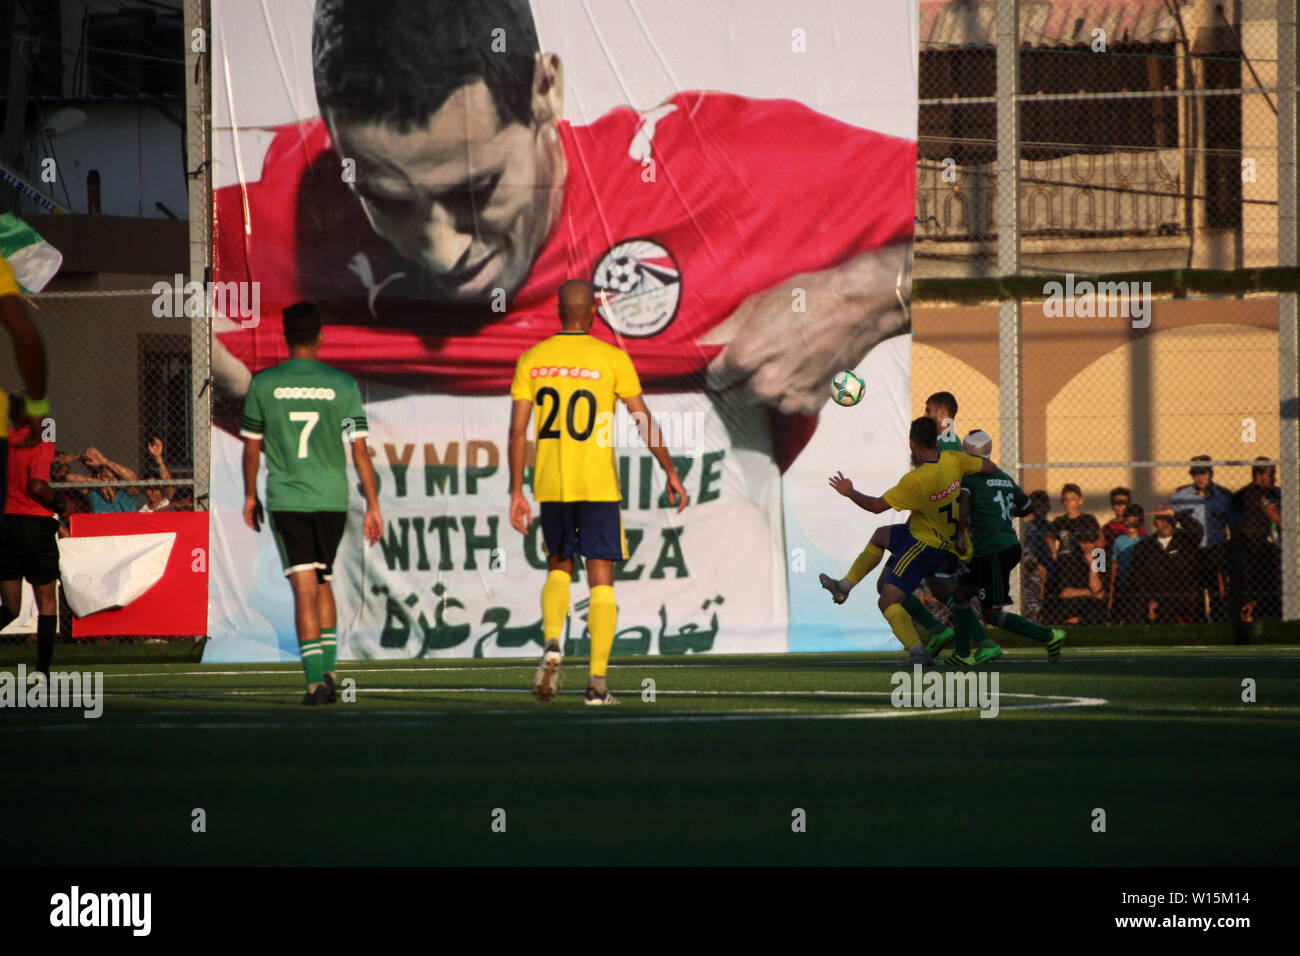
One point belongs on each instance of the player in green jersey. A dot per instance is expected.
(991, 502)
(302, 412)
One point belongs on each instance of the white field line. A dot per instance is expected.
(1048, 702)
(795, 663)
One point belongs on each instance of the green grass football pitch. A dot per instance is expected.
(710, 772)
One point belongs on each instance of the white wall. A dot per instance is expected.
(136, 149)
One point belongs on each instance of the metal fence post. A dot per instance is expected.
(1288, 335)
(1008, 217)
(198, 45)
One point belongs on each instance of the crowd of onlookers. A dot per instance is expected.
(1208, 555)
(95, 496)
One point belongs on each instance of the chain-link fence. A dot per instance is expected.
(1148, 136)
(122, 420)
(1150, 147)
(1112, 417)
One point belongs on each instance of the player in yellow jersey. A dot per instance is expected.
(572, 381)
(932, 492)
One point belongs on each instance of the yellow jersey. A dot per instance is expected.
(932, 492)
(4, 413)
(573, 380)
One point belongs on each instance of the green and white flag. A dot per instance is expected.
(35, 262)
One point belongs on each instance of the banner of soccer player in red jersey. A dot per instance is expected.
(737, 180)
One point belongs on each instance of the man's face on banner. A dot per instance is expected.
(467, 198)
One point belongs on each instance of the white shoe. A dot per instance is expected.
(548, 681)
(591, 700)
(838, 594)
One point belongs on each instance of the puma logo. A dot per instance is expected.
(639, 150)
(359, 265)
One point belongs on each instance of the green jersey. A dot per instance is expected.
(304, 411)
(993, 499)
(948, 441)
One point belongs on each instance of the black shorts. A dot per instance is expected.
(29, 549)
(990, 576)
(951, 567)
(308, 539)
(593, 529)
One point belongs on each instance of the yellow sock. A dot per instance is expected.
(922, 634)
(902, 625)
(555, 604)
(864, 563)
(602, 618)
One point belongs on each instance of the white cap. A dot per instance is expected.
(978, 443)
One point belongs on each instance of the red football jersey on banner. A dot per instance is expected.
(745, 194)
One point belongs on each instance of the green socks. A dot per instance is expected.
(917, 611)
(964, 620)
(1025, 628)
(313, 662)
(329, 645)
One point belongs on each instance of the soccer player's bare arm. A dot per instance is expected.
(866, 502)
(29, 349)
(654, 440)
(521, 514)
(373, 525)
(41, 491)
(252, 461)
(963, 519)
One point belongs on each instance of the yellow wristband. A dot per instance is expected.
(37, 407)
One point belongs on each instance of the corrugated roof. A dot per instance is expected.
(1047, 23)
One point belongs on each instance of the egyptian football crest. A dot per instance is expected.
(638, 286)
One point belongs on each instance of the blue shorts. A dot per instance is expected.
(911, 562)
(593, 529)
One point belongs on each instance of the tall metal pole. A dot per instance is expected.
(198, 44)
(1009, 452)
(1288, 337)
(1008, 213)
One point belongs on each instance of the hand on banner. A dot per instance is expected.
(521, 514)
(783, 345)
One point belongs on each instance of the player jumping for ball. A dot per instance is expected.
(573, 379)
(303, 411)
(994, 499)
(921, 546)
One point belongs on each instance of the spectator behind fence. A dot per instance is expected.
(1074, 592)
(1211, 505)
(103, 500)
(1254, 549)
(1165, 571)
(1037, 555)
(1119, 500)
(157, 498)
(67, 501)
(1125, 603)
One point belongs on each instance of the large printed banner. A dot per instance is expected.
(738, 182)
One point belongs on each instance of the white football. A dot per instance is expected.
(847, 388)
